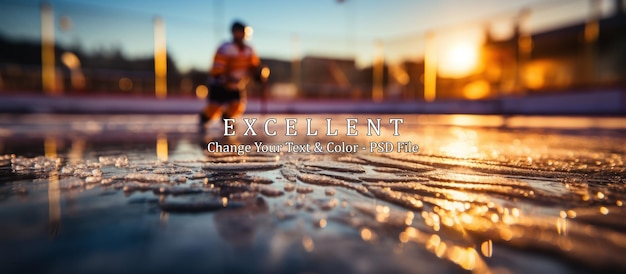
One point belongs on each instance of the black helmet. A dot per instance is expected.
(238, 25)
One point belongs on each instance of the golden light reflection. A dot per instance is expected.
(534, 75)
(366, 234)
(440, 249)
(541, 74)
(125, 84)
(525, 43)
(448, 220)
(70, 60)
(473, 120)
(459, 150)
(515, 212)
(464, 146)
(565, 244)
(161, 147)
(403, 237)
(265, 73)
(495, 218)
(561, 226)
(506, 234)
(307, 243)
(592, 29)
(409, 218)
(202, 91)
(466, 257)
(436, 223)
(458, 196)
(433, 242)
(571, 214)
(585, 197)
(399, 74)
(487, 248)
(54, 203)
(467, 218)
(604, 210)
(322, 223)
(382, 213)
(75, 154)
(50, 147)
(477, 90)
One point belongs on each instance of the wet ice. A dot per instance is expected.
(435, 210)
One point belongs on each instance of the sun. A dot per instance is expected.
(458, 59)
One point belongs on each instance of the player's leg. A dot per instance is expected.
(235, 109)
(208, 113)
(236, 104)
(212, 111)
(214, 107)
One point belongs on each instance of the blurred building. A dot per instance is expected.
(102, 72)
(559, 59)
(327, 77)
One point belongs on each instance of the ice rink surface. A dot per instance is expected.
(448, 194)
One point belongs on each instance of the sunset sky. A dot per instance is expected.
(282, 29)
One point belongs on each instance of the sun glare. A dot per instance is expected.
(458, 59)
(248, 32)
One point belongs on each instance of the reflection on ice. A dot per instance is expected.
(473, 199)
(54, 203)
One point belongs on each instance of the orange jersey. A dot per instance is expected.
(234, 63)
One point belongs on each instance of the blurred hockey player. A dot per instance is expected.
(234, 64)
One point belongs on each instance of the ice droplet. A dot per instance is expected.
(35, 164)
(138, 186)
(147, 177)
(366, 234)
(117, 161)
(245, 195)
(304, 189)
(329, 204)
(266, 190)
(71, 183)
(329, 191)
(289, 187)
(93, 180)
